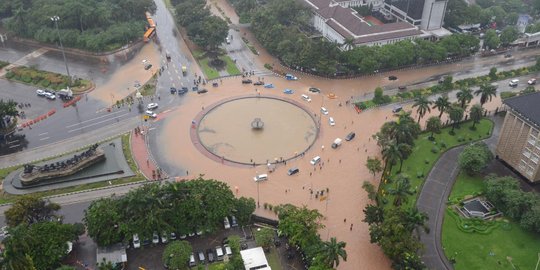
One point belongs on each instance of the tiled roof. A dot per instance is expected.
(528, 106)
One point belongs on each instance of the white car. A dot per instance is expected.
(315, 160)
(152, 106)
(531, 81)
(226, 223)
(136, 241)
(40, 92)
(324, 111)
(331, 121)
(228, 250)
(50, 96)
(228, 40)
(306, 98)
(513, 83)
(151, 114)
(155, 238)
(164, 237)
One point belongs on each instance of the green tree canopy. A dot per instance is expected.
(30, 209)
(244, 209)
(433, 125)
(176, 255)
(474, 158)
(264, 237)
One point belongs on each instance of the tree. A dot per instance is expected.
(244, 209)
(442, 104)
(464, 96)
(370, 189)
(401, 190)
(300, 225)
(105, 265)
(455, 114)
(508, 35)
(264, 237)
(423, 106)
(493, 73)
(374, 165)
(433, 125)
(8, 111)
(66, 267)
(405, 130)
(30, 209)
(331, 252)
(476, 114)
(474, 158)
(486, 93)
(104, 222)
(491, 39)
(348, 44)
(447, 83)
(373, 214)
(176, 255)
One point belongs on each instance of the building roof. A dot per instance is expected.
(254, 258)
(526, 106)
(115, 254)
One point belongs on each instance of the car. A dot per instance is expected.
(350, 136)
(173, 90)
(146, 242)
(324, 111)
(293, 171)
(210, 255)
(402, 88)
(531, 81)
(152, 106)
(195, 88)
(215, 84)
(191, 234)
(228, 40)
(40, 92)
(314, 90)
(182, 90)
(168, 56)
(192, 261)
(336, 143)
(397, 109)
(172, 236)
(155, 238)
(247, 81)
(288, 91)
(508, 55)
(144, 61)
(151, 113)
(183, 236)
(331, 121)
(228, 250)
(392, 78)
(202, 91)
(269, 85)
(201, 256)
(136, 241)
(306, 98)
(258, 83)
(164, 237)
(219, 253)
(226, 223)
(147, 66)
(234, 222)
(260, 177)
(199, 233)
(291, 77)
(315, 160)
(513, 82)
(50, 95)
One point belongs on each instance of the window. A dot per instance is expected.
(534, 159)
(527, 154)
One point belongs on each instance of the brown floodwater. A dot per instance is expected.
(226, 130)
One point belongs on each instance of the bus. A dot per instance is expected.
(149, 34)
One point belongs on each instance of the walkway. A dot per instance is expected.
(433, 198)
(145, 162)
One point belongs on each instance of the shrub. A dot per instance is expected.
(268, 66)
(474, 158)
(25, 78)
(435, 150)
(442, 144)
(507, 94)
(10, 74)
(45, 83)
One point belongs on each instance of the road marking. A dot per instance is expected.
(13, 146)
(85, 121)
(97, 123)
(169, 72)
(44, 133)
(152, 128)
(46, 138)
(174, 85)
(176, 70)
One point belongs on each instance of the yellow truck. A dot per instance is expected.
(184, 70)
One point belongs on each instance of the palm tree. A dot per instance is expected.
(406, 129)
(402, 190)
(423, 106)
(442, 104)
(464, 96)
(486, 93)
(396, 152)
(332, 250)
(415, 219)
(348, 44)
(476, 114)
(456, 114)
(433, 124)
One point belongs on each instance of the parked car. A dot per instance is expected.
(195, 88)
(392, 78)
(402, 88)
(201, 256)
(40, 92)
(210, 255)
(152, 106)
(219, 253)
(350, 136)
(291, 77)
(508, 55)
(331, 121)
(155, 238)
(192, 261)
(173, 90)
(234, 222)
(397, 109)
(314, 90)
(147, 66)
(182, 90)
(164, 237)
(228, 250)
(336, 143)
(513, 82)
(226, 223)
(531, 81)
(258, 83)
(146, 242)
(202, 91)
(151, 113)
(247, 81)
(269, 85)
(50, 95)
(293, 171)
(172, 236)
(136, 241)
(215, 84)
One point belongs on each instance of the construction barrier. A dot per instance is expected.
(71, 102)
(37, 119)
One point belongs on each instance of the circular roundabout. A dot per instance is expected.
(255, 130)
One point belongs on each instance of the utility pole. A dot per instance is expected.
(55, 19)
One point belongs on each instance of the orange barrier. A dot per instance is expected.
(358, 110)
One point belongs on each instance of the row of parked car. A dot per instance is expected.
(46, 93)
(210, 255)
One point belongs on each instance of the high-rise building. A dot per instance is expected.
(427, 14)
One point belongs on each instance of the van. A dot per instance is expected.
(306, 98)
(337, 143)
(292, 171)
(219, 253)
(324, 111)
(260, 177)
(192, 260)
(397, 109)
(315, 160)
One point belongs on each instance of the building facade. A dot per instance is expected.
(519, 139)
(427, 14)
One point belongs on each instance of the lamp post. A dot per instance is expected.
(55, 19)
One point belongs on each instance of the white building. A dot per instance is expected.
(254, 258)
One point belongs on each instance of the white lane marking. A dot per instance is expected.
(44, 133)
(46, 138)
(176, 70)
(96, 118)
(97, 123)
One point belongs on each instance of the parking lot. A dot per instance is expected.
(26, 94)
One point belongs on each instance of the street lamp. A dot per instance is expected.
(55, 19)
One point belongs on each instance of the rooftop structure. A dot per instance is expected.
(254, 258)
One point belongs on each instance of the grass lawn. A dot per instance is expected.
(231, 66)
(420, 162)
(273, 259)
(210, 72)
(215, 266)
(7, 198)
(491, 250)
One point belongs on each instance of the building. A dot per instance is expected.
(428, 14)
(254, 258)
(519, 139)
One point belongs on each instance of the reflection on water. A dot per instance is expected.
(226, 130)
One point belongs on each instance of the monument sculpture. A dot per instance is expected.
(33, 174)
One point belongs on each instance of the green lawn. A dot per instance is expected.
(209, 72)
(273, 259)
(487, 251)
(212, 73)
(231, 66)
(419, 163)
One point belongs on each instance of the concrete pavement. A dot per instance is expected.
(434, 195)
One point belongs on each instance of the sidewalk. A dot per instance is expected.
(145, 162)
